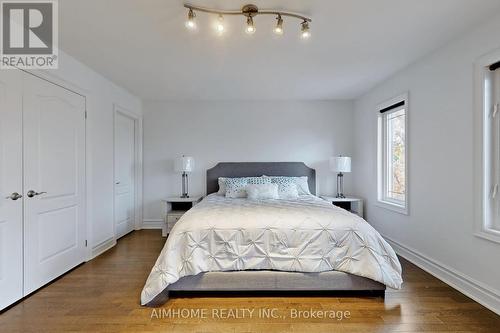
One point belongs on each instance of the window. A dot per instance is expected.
(488, 148)
(495, 154)
(392, 154)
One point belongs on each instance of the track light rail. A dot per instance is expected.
(248, 10)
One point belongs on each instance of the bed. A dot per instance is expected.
(301, 245)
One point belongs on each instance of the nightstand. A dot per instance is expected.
(354, 205)
(175, 207)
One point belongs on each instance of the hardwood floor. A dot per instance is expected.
(103, 296)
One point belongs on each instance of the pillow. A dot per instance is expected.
(288, 191)
(300, 182)
(262, 191)
(250, 180)
(235, 187)
(302, 185)
(258, 180)
(222, 186)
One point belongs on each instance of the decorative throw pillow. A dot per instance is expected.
(288, 191)
(300, 182)
(222, 186)
(235, 187)
(250, 180)
(258, 180)
(262, 191)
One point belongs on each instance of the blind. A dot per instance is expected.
(392, 107)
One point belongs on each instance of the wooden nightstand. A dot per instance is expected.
(175, 207)
(354, 205)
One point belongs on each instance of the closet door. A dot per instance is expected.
(54, 181)
(11, 204)
(124, 174)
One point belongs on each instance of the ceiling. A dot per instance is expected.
(143, 45)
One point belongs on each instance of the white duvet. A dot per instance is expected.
(305, 235)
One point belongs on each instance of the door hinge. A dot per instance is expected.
(85, 114)
(495, 109)
(495, 191)
(85, 243)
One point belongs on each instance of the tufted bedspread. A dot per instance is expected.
(305, 235)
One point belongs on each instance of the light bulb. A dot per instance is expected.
(279, 26)
(190, 23)
(219, 27)
(250, 27)
(305, 33)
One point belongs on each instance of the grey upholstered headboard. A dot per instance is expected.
(257, 169)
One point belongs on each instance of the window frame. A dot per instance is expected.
(485, 158)
(383, 201)
(495, 127)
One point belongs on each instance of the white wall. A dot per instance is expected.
(438, 233)
(214, 132)
(101, 94)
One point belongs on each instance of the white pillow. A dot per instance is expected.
(302, 185)
(262, 191)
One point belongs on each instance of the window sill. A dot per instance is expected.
(393, 207)
(489, 234)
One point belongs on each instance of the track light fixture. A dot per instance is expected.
(219, 26)
(250, 27)
(250, 11)
(279, 26)
(305, 33)
(190, 23)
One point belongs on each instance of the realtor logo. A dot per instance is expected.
(29, 34)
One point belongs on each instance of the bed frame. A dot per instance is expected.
(265, 282)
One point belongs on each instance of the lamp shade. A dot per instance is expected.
(340, 164)
(184, 164)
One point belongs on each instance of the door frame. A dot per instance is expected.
(117, 109)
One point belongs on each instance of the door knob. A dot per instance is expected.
(14, 196)
(32, 193)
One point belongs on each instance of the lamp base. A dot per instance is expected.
(185, 185)
(340, 186)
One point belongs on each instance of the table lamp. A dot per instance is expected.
(184, 164)
(340, 164)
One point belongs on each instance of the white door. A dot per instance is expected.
(54, 181)
(124, 174)
(11, 205)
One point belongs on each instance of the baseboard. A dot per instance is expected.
(103, 247)
(468, 286)
(152, 224)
